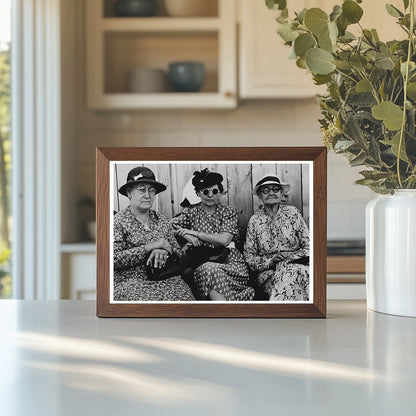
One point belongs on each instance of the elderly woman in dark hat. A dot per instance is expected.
(213, 225)
(277, 244)
(143, 236)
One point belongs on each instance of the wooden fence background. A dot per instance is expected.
(239, 181)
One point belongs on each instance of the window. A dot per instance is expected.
(5, 147)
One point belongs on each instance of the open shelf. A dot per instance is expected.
(116, 46)
(160, 24)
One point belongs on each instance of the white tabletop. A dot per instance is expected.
(57, 358)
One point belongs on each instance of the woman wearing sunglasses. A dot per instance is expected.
(211, 224)
(143, 237)
(277, 244)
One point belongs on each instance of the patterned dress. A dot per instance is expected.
(285, 233)
(229, 278)
(130, 280)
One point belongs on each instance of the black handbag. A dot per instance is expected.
(302, 260)
(193, 258)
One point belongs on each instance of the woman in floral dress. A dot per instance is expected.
(211, 224)
(277, 236)
(143, 236)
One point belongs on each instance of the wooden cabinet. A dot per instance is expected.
(118, 45)
(78, 264)
(265, 70)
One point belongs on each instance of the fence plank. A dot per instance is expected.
(240, 192)
(122, 172)
(291, 174)
(305, 191)
(162, 173)
(181, 173)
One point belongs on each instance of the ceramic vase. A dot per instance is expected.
(391, 253)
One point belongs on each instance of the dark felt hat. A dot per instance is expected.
(141, 174)
(205, 178)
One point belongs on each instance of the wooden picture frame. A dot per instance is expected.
(228, 160)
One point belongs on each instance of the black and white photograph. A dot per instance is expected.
(211, 231)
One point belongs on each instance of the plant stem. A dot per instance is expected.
(406, 79)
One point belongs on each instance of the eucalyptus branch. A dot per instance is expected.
(373, 88)
(346, 75)
(406, 79)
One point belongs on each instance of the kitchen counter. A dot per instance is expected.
(57, 358)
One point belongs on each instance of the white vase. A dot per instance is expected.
(391, 253)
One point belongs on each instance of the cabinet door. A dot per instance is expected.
(266, 71)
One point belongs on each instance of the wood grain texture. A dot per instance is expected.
(317, 309)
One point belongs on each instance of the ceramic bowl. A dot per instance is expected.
(191, 8)
(135, 8)
(147, 80)
(186, 76)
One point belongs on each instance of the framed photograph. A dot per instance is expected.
(211, 232)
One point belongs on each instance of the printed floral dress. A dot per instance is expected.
(130, 280)
(229, 278)
(286, 233)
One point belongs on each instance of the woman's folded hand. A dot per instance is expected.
(196, 242)
(277, 258)
(161, 243)
(157, 258)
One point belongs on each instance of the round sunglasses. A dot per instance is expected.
(214, 191)
(267, 189)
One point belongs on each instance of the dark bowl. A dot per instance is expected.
(186, 76)
(135, 8)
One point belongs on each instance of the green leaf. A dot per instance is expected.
(347, 37)
(303, 43)
(301, 15)
(384, 62)
(406, 4)
(343, 145)
(344, 65)
(363, 86)
(276, 4)
(375, 35)
(411, 90)
(325, 42)
(301, 63)
(316, 20)
(393, 11)
(394, 143)
(351, 11)
(412, 67)
(368, 36)
(342, 25)
(374, 174)
(359, 160)
(358, 61)
(336, 12)
(319, 61)
(321, 79)
(391, 114)
(287, 33)
(333, 32)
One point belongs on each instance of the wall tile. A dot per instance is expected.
(162, 119)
